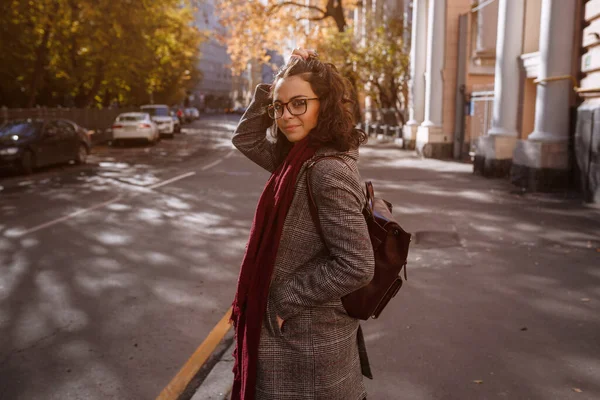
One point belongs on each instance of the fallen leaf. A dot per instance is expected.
(577, 390)
(598, 250)
(524, 328)
(479, 382)
(585, 299)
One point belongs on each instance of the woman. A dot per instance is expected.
(294, 338)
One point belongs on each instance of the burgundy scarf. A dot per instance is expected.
(257, 267)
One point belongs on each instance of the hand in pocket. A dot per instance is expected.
(280, 322)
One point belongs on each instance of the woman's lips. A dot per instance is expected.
(291, 127)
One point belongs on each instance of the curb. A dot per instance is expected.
(219, 381)
(192, 374)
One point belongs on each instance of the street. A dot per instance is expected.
(112, 272)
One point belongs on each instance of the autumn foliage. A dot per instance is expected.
(376, 63)
(89, 53)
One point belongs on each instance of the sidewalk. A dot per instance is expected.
(502, 295)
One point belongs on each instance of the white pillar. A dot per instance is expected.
(379, 7)
(358, 22)
(556, 49)
(418, 59)
(509, 44)
(436, 43)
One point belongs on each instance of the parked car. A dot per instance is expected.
(188, 116)
(195, 113)
(160, 114)
(176, 120)
(31, 143)
(135, 125)
(239, 110)
(191, 114)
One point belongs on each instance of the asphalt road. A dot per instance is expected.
(111, 275)
(115, 271)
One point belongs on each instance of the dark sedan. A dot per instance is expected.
(32, 143)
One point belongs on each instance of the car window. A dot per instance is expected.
(130, 118)
(66, 129)
(20, 128)
(157, 111)
(52, 128)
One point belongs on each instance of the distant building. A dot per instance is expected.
(215, 89)
(255, 73)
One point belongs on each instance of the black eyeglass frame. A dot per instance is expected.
(271, 107)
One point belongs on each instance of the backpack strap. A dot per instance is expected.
(311, 203)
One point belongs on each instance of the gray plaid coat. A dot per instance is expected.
(319, 353)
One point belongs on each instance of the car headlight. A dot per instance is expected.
(9, 151)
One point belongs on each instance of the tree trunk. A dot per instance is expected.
(41, 55)
(336, 11)
(98, 78)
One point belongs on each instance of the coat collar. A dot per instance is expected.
(328, 151)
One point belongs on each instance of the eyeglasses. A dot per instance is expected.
(295, 107)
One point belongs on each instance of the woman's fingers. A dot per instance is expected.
(304, 53)
(300, 52)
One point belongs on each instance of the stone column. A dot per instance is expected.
(542, 161)
(494, 152)
(430, 133)
(358, 22)
(418, 58)
(379, 6)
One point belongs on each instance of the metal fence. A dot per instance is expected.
(92, 119)
(482, 106)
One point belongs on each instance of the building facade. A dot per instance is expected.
(505, 83)
(215, 88)
(452, 55)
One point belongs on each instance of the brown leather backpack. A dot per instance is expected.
(390, 245)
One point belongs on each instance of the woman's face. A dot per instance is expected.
(293, 93)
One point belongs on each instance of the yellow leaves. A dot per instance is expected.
(478, 381)
(577, 390)
(253, 27)
(119, 43)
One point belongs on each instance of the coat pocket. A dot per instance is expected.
(271, 320)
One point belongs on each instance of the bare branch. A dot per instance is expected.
(276, 7)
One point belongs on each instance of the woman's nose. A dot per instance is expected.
(286, 114)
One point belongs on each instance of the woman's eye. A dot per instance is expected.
(298, 103)
(277, 107)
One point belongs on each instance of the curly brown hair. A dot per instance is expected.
(335, 125)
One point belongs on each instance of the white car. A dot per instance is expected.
(135, 125)
(161, 116)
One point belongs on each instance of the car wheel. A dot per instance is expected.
(82, 154)
(28, 162)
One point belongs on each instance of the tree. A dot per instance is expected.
(378, 66)
(382, 64)
(256, 26)
(90, 52)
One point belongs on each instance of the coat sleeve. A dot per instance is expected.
(351, 264)
(250, 136)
